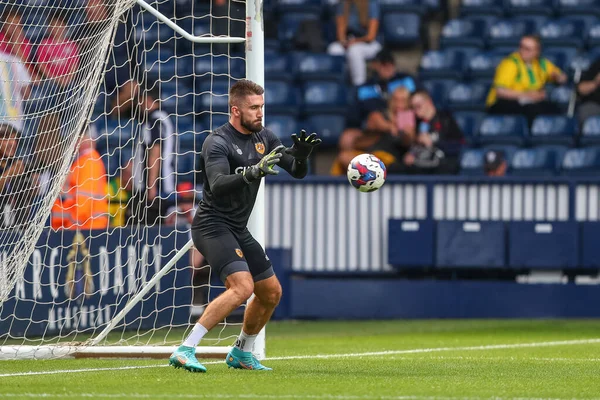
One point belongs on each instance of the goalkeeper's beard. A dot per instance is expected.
(251, 126)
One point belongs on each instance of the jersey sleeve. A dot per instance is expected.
(216, 164)
(506, 74)
(551, 68)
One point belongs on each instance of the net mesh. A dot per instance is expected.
(103, 112)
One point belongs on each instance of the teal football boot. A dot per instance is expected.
(185, 357)
(244, 360)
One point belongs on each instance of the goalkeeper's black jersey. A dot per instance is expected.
(227, 198)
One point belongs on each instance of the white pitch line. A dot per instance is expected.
(262, 396)
(330, 356)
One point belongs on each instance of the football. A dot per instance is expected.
(366, 172)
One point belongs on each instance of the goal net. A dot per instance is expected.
(104, 106)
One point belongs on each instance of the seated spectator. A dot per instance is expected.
(589, 93)
(438, 141)
(519, 82)
(372, 96)
(398, 119)
(12, 37)
(13, 207)
(390, 132)
(357, 23)
(83, 202)
(494, 163)
(57, 57)
(18, 88)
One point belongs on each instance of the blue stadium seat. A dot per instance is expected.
(483, 65)
(212, 97)
(464, 32)
(579, 7)
(590, 251)
(559, 56)
(314, 66)
(468, 96)
(150, 30)
(185, 128)
(412, 6)
(534, 162)
(553, 129)
(283, 7)
(532, 22)
(463, 244)
(584, 22)
(114, 132)
(438, 90)
(581, 62)
(401, 28)
(482, 7)
(190, 134)
(410, 243)
(503, 129)
(278, 66)
(159, 64)
(282, 125)
(593, 36)
(327, 97)
(441, 64)
(176, 98)
(562, 32)
(185, 68)
(328, 126)
(581, 162)
(219, 66)
(186, 166)
(288, 26)
(508, 32)
(281, 97)
(116, 158)
(590, 132)
(214, 120)
(471, 162)
(522, 7)
(469, 122)
(34, 26)
(548, 245)
(560, 95)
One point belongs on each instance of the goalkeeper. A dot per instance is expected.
(235, 158)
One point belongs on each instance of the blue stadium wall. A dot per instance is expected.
(341, 250)
(340, 253)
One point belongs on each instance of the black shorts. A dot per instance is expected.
(228, 251)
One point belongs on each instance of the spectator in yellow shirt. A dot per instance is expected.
(519, 82)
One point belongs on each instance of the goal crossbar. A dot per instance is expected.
(93, 348)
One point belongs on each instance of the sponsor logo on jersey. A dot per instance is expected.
(239, 253)
(260, 147)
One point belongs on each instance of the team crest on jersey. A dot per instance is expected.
(239, 253)
(260, 148)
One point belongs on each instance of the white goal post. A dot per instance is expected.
(102, 321)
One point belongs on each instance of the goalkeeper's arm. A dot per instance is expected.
(217, 168)
(295, 158)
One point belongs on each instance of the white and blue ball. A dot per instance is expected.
(366, 172)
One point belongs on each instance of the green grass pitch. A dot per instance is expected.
(441, 359)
